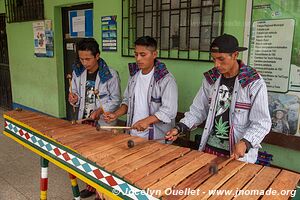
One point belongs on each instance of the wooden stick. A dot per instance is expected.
(179, 136)
(80, 121)
(69, 77)
(96, 92)
(119, 127)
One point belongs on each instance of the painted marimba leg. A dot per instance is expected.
(75, 187)
(44, 178)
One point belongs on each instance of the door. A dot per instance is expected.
(73, 31)
(5, 84)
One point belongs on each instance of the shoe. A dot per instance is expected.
(86, 193)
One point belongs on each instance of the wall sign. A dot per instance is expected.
(43, 38)
(81, 23)
(271, 48)
(295, 78)
(109, 33)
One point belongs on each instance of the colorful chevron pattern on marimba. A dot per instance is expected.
(74, 161)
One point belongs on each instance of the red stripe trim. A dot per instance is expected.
(211, 151)
(231, 136)
(243, 107)
(44, 184)
(72, 176)
(243, 104)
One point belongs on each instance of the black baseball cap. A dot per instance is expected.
(225, 44)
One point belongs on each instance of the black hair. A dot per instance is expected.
(146, 41)
(88, 44)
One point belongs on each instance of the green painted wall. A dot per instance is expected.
(2, 6)
(39, 82)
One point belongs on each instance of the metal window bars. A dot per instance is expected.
(3, 41)
(183, 29)
(24, 10)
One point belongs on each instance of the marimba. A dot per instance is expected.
(149, 170)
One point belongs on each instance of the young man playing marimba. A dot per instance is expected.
(233, 100)
(150, 99)
(95, 88)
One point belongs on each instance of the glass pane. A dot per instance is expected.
(207, 2)
(148, 31)
(183, 18)
(175, 12)
(165, 7)
(195, 10)
(139, 27)
(165, 18)
(140, 5)
(206, 16)
(174, 4)
(183, 40)
(184, 5)
(132, 38)
(154, 27)
(195, 3)
(205, 38)
(216, 25)
(148, 9)
(165, 38)
(194, 43)
(195, 24)
(132, 21)
(217, 8)
(175, 39)
(174, 23)
(148, 2)
(148, 19)
(132, 3)
(175, 32)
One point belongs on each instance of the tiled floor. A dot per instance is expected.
(20, 173)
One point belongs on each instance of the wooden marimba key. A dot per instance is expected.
(104, 160)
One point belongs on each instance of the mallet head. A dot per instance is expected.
(213, 168)
(98, 127)
(130, 143)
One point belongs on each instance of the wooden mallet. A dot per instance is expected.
(69, 77)
(98, 127)
(96, 92)
(130, 143)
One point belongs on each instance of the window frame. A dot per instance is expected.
(24, 10)
(129, 28)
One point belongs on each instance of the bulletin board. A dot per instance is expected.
(43, 38)
(275, 49)
(81, 23)
(109, 33)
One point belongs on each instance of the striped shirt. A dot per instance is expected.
(249, 115)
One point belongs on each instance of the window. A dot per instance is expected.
(183, 29)
(3, 41)
(24, 10)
